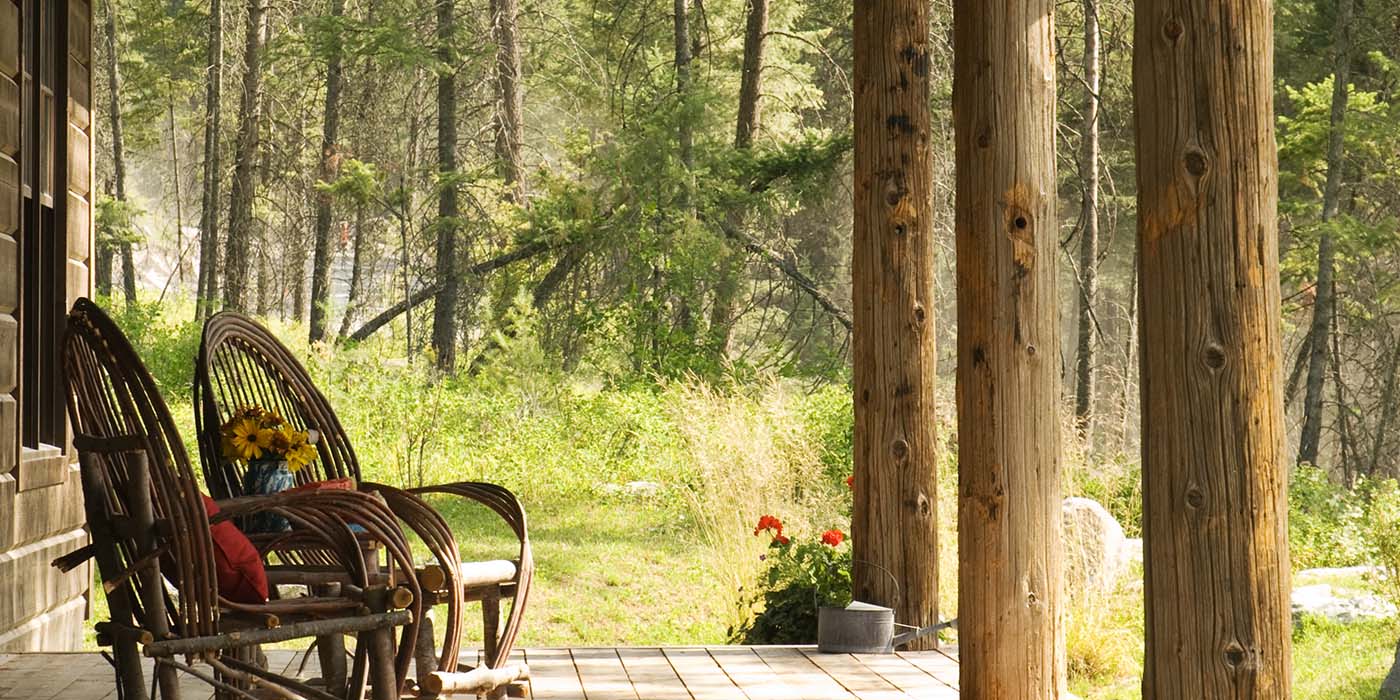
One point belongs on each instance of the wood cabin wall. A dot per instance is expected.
(44, 268)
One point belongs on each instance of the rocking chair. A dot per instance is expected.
(240, 364)
(151, 537)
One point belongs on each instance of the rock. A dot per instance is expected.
(641, 488)
(1339, 605)
(1307, 575)
(1132, 550)
(1095, 549)
(1390, 687)
(635, 489)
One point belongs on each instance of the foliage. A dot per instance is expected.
(801, 578)
(115, 221)
(1381, 532)
(1322, 521)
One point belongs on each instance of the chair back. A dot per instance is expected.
(141, 496)
(241, 364)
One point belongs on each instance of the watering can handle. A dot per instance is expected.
(898, 594)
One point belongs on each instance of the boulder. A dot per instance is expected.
(1339, 605)
(1390, 687)
(1096, 551)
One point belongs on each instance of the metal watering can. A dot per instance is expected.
(865, 628)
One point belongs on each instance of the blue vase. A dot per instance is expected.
(265, 477)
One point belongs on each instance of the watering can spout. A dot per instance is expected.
(916, 632)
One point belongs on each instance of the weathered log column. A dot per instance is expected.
(1009, 591)
(1215, 515)
(894, 523)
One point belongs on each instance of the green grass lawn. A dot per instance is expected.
(608, 572)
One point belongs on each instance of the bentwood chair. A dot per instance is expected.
(151, 539)
(241, 363)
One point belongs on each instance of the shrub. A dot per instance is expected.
(1382, 533)
(1322, 520)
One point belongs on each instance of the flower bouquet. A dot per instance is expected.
(273, 450)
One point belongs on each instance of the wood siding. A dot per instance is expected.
(41, 513)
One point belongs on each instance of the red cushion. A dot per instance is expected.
(242, 578)
(342, 484)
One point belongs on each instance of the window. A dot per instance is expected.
(42, 243)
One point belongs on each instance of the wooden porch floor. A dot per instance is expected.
(672, 673)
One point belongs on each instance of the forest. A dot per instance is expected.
(615, 238)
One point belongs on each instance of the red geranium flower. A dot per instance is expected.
(770, 524)
(851, 482)
(781, 539)
(833, 538)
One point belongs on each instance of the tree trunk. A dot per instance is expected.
(510, 128)
(330, 128)
(894, 522)
(114, 121)
(1324, 304)
(686, 134)
(1388, 409)
(357, 262)
(208, 283)
(1008, 394)
(117, 187)
(730, 267)
(237, 249)
(128, 274)
(179, 204)
(1215, 507)
(445, 308)
(1089, 235)
(1346, 448)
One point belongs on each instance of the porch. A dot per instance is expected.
(624, 673)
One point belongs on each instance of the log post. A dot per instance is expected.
(1215, 511)
(1008, 394)
(894, 523)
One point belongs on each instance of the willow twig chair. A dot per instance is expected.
(241, 363)
(151, 539)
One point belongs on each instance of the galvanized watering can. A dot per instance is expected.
(865, 628)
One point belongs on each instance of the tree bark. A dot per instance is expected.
(730, 267)
(114, 121)
(444, 338)
(326, 172)
(686, 129)
(510, 126)
(208, 283)
(1008, 394)
(1388, 410)
(1324, 304)
(357, 263)
(237, 249)
(1089, 236)
(894, 522)
(1346, 448)
(1215, 506)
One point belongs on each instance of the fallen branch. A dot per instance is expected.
(805, 283)
(524, 252)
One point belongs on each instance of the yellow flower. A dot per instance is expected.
(279, 441)
(301, 455)
(249, 439)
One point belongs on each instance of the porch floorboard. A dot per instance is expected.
(594, 673)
